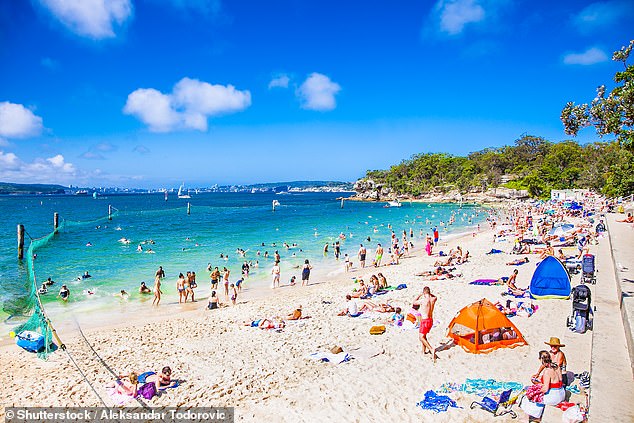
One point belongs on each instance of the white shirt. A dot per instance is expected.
(352, 307)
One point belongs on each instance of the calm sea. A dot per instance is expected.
(219, 223)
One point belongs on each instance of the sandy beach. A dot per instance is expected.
(265, 374)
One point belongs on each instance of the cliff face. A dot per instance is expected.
(369, 190)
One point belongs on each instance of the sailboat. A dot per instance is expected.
(180, 192)
(165, 192)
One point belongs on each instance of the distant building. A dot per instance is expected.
(568, 194)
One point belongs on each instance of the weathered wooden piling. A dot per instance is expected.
(20, 242)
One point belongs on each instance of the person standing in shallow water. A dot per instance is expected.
(361, 254)
(276, 275)
(306, 272)
(157, 291)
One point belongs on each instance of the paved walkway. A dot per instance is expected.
(612, 380)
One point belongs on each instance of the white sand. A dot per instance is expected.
(264, 374)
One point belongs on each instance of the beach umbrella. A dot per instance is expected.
(561, 229)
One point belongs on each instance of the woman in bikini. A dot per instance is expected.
(157, 291)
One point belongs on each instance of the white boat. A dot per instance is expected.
(180, 192)
(393, 204)
(276, 203)
(165, 192)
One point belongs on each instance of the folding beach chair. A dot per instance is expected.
(497, 408)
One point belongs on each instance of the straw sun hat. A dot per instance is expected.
(554, 342)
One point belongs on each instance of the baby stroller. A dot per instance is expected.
(587, 269)
(580, 321)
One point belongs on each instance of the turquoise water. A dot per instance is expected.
(219, 223)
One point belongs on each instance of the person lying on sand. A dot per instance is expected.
(162, 380)
(447, 262)
(439, 274)
(274, 323)
(127, 385)
(380, 308)
(518, 262)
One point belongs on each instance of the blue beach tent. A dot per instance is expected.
(550, 280)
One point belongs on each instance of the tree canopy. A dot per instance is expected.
(611, 115)
(533, 163)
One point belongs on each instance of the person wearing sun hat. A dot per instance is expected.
(557, 356)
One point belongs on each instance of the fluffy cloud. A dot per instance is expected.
(589, 57)
(187, 107)
(90, 18)
(318, 92)
(454, 15)
(603, 14)
(279, 82)
(50, 170)
(16, 121)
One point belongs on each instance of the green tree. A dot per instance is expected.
(613, 114)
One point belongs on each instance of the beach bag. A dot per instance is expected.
(377, 330)
(533, 409)
(401, 286)
(147, 391)
(572, 415)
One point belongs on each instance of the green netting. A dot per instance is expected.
(31, 304)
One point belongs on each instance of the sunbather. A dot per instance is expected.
(510, 283)
(361, 292)
(380, 308)
(274, 323)
(518, 262)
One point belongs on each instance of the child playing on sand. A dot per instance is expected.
(234, 294)
(397, 318)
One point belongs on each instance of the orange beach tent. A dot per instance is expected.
(482, 328)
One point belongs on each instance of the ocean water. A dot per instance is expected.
(219, 223)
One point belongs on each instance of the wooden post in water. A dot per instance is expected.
(109, 212)
(342, 201)
(55, 221)
(189, 207)
(20, 242)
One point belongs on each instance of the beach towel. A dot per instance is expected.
(328, 357)
(401, 286)
(494, 251)
(480, 387)
(487, 282)
(436, 403)
(364, 353)
(117, 398)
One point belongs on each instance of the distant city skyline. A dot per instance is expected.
(153, 93)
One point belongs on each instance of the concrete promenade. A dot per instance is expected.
(612, 380)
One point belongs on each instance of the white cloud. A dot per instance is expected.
(189, 105)
(454, 15)
(153, 108)
(603, 14)
(279, 82)
(16, 121)
(50, 170)
(589, 57)
(90, 18)
(318, 92)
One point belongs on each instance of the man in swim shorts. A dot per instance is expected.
(427, 302)
(362, 253)
(379, 255)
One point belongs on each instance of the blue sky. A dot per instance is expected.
(149, 93)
